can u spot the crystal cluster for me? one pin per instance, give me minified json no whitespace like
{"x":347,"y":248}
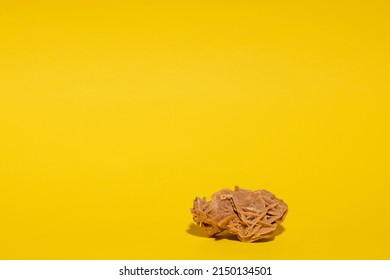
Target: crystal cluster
{"x":250,"y":215}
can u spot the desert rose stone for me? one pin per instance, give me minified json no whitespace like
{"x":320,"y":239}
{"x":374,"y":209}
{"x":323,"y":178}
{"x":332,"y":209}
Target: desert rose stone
{"x":250,"y":215}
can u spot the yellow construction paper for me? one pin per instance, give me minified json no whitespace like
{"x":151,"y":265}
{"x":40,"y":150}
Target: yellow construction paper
{"x":115,"y":115}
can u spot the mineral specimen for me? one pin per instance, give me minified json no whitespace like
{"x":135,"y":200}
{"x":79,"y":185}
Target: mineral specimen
{"x":250,"y":215}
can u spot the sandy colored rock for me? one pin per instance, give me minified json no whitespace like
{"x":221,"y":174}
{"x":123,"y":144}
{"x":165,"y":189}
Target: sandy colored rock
{"x":251,"y":215}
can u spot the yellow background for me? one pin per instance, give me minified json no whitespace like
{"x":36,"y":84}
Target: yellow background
{"x":114,"y":116}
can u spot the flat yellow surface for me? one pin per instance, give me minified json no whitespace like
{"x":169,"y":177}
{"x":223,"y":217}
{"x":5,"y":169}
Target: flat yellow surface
{"x":114,"y":116}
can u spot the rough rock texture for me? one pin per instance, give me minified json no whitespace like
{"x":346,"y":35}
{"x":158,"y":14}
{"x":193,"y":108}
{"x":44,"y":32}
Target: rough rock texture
{"x":251,"y":215}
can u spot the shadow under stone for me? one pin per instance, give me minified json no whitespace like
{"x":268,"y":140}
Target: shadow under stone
{"x":195,"y":230}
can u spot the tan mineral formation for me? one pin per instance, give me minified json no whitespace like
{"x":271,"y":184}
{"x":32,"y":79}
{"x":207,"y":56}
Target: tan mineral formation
{"x":250,"y":215}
